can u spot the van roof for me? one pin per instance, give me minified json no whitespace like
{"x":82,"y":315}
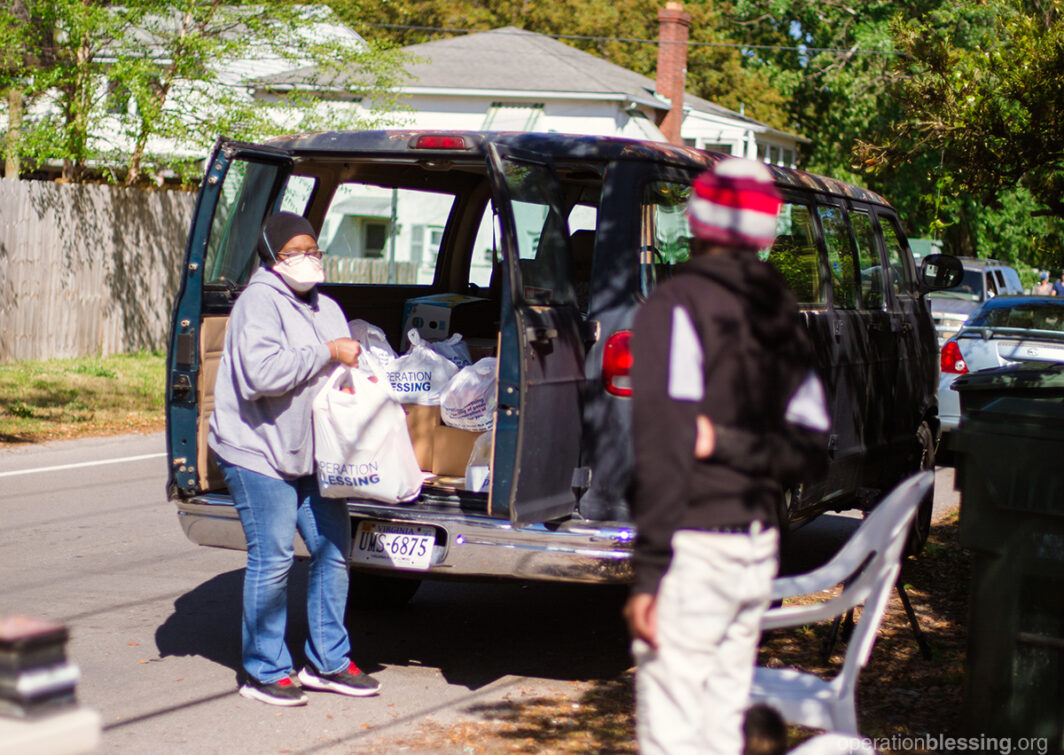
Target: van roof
{"x":557,"y":146}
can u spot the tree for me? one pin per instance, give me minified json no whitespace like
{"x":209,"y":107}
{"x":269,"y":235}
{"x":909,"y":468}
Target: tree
{"x":988,"y":104}
{"x":160,"y":72}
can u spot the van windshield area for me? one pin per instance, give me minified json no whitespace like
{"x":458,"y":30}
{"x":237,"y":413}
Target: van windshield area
{"x":969,"y":289}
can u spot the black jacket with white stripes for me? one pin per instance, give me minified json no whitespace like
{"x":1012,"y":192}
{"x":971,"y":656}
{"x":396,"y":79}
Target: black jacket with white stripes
{"x":723,"y":337}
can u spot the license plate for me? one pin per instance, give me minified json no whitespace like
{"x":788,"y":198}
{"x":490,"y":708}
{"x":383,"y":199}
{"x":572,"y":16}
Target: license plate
{"x":402,"y":546}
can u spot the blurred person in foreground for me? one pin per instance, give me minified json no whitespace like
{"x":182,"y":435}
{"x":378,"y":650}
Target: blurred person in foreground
{"x":728,"y":413}
{"x":281,"y":344}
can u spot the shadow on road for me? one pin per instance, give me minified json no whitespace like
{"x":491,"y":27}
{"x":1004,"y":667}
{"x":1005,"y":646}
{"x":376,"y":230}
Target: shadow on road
{"x":474,"y":633}
{"x":206,"y":622}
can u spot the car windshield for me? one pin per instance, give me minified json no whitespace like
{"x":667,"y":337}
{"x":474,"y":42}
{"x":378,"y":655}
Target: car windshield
{"x":970,"y":288}
{"x":1042,"y":316}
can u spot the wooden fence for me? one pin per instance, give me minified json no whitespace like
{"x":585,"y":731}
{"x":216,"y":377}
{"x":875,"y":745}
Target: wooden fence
{"x":93,"y":270}
{"x":87,"y":270}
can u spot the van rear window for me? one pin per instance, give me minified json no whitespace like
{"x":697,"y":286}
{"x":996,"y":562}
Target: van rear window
{"x":383,"y":235}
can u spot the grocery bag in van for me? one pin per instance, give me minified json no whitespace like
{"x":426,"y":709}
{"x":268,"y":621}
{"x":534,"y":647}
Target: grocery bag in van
{"x":361,"y":445}
{"x":373,"y":340}
{"x":468,"y":401}
{"x":455,"y":349}
{"x":420,"y":375}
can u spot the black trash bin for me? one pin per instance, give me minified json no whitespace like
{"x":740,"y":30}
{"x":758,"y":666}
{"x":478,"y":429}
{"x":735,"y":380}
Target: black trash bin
{"x":1010,"y":471}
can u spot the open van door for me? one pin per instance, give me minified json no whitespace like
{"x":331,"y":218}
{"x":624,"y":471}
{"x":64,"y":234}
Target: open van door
{"x":243,"y":183}
{"x":541,"y":354}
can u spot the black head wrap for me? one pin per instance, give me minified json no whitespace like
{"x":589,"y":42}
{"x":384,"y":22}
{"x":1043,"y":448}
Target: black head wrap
{"x":278,"y":230}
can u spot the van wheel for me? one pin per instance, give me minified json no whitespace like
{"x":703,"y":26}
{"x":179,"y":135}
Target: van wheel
{"x":921,"y":529}
{"x":367,"y":590}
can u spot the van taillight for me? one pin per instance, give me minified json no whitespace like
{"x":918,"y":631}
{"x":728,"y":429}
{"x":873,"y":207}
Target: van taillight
{"x":952,"y":359}
{"x":440,"y":141}
{"x":617,"y":364}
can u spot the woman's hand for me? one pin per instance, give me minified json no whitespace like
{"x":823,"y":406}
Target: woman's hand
{"x":345,"y":351}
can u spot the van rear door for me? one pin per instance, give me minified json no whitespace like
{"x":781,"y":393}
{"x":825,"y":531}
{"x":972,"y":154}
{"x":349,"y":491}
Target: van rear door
{"x":541,"y":353}
{"x":243,"y":182}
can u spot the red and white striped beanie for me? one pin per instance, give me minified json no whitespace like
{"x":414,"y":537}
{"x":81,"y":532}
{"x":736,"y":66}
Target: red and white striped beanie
{"x":735,"y":204}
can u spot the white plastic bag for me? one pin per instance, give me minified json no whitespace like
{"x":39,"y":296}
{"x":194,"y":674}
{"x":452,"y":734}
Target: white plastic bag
{"x":468,"y":402}
{"x":361,"y":444}
{"x":455,"y":349}
{"x":478,"y":470}
{"x":373,"y":340}
{"x":420,"y":375}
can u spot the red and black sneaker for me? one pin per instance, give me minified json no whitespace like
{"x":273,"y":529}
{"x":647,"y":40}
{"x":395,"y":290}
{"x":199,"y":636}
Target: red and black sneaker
{"x":351,"y":681}
{"x":284,"y":692}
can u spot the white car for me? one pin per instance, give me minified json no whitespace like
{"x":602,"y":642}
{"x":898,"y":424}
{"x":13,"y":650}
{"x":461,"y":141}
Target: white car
{"x":1003,"y":331}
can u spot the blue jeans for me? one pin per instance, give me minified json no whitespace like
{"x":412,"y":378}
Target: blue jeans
{"x":271,"y":510}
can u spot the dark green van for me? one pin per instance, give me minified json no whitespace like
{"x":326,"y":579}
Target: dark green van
{"x":538,"y":248}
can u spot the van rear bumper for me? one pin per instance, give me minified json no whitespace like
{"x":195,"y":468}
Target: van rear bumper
{"x":468,"y":545}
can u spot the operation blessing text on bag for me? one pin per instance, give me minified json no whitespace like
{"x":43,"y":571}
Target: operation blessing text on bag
{"x":361,"y":443}
{"x":421,"y":374}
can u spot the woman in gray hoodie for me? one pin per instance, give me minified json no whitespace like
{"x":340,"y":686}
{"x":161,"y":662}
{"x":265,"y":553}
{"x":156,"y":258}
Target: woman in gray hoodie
{"x":282,"y":340}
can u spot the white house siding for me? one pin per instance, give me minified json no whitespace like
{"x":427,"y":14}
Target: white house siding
{"x":560,"y":115}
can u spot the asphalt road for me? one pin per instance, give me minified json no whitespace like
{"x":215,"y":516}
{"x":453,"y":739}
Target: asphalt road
{"x":89,"y":539}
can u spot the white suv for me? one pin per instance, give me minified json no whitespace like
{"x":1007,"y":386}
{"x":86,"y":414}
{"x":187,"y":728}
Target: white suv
{"x":983,"y":279}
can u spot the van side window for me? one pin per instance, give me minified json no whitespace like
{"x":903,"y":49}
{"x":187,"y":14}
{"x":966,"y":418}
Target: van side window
{"x":794,"y":253}
{"x":840,"y":257}
{"x":868,"y":258}
{"x":297,"y":194}
{"x":664,"y":238}
{"x":896,"y":257}
{"x":383,"y":235}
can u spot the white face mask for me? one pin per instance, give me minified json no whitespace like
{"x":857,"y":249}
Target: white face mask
{"x":301,"y":273}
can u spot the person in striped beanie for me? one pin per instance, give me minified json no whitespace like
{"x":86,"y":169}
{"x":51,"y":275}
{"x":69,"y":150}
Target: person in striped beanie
{"x":727,"y":414}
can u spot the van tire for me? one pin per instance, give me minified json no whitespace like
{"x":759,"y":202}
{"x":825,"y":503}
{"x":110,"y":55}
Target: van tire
{"x":921,"y":528}
{"x":366,"y":590}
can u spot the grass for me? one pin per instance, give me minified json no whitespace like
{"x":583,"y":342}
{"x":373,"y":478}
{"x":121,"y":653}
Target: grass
{"x":74,"y":398}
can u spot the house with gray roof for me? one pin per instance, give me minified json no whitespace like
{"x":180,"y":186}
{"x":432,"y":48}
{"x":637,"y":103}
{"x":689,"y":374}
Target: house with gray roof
{"x":510,"y":79}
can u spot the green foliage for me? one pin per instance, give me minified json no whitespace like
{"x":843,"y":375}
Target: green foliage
{"x":981,"y":101}
{"x":151,"y":71}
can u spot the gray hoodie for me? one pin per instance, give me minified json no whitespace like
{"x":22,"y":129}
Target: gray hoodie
{"x":274,"y":363}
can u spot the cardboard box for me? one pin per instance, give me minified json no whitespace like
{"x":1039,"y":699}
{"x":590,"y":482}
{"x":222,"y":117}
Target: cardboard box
{"x":433,"y":316}
{"x":451,"y":451}
{"x":422,"y":422}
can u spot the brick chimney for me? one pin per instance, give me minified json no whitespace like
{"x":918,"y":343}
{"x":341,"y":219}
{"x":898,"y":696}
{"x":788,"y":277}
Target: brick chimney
{"x":673,"y":23}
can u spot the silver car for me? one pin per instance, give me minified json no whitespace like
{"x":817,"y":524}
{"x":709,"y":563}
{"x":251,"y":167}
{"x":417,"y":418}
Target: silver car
{"x":1002,"y":331}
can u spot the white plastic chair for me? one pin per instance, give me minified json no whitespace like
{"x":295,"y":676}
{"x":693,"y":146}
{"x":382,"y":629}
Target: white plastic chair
{"x":867,"y":566}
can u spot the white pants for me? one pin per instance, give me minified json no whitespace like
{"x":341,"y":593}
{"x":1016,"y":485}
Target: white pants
{"x":692,"y":691}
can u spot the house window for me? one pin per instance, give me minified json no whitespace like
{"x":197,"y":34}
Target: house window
{"x":721,"y":147}
{"x":788,"y":158}
{"x":376,"y":235}
{"x":513,"y":116}
{"x":774,"y":155}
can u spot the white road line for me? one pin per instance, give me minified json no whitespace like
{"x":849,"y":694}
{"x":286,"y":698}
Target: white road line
{"x":81,"y":464}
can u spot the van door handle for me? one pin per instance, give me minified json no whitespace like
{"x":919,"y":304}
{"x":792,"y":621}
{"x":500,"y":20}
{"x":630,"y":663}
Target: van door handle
{"x":541,"y":335}
{"x":181,"y":388}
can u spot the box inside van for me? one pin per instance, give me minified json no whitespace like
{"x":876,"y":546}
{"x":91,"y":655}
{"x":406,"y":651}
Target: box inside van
{"x":537,"y":249}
